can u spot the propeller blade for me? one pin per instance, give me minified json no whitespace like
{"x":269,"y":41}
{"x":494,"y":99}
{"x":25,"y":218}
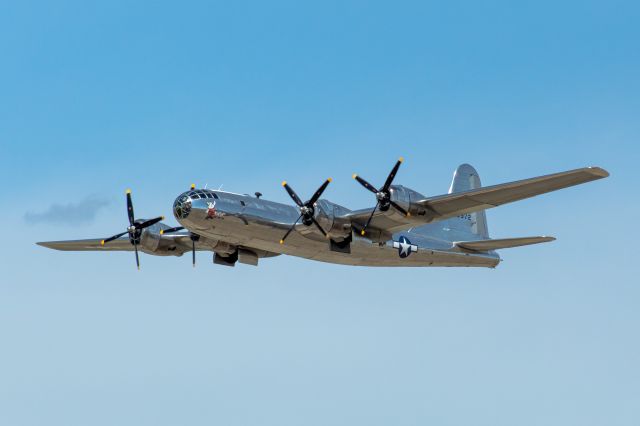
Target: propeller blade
{"x":318,"y":226}
{"x":170,"y":230}
{"x":149,"y":222}
{"x":319,"y":192}
{"x":130,"y":208}
{"x":115,"y":237}
{"x":366,"y":225}
{"x":135,"y":246}
{"x":193,"y":252}
{"x":290,"y":229}
{"x":365,"y":184}
{"x":293,"y":194}
{"x":391,"y":176}
{"x":400,"y":209}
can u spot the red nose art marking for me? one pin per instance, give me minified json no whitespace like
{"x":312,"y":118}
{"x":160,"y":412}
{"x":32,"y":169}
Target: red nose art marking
{"x":211,"y":210}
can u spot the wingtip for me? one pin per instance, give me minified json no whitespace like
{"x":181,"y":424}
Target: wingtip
{"x":48,"y":244}
{"x":599,"y":171}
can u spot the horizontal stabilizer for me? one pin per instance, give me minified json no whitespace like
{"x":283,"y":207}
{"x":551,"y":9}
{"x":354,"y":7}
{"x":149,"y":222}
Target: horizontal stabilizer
{"x":486,"y":245}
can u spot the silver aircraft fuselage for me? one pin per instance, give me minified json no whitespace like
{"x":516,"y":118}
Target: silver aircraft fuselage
{"x":245,"y":221}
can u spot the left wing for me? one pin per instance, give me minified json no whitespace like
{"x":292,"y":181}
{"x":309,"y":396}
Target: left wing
{"x":169,"y":244}
{"x":121,"y":244}
{"x":427,"y":210}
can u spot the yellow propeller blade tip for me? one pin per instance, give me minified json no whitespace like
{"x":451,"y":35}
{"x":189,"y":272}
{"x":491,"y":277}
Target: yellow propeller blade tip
{"x":355,"y":175}
{"x":401,"y":159}
{"x":362,"y":232}
{"x":330,"y":179}
{"x":161,"y":231}
{"x":193,"y":186}
{"x":281,"y":241}
{"x":102,"y":242}
{"x":128,"y":191}
{"x":284,"y":183}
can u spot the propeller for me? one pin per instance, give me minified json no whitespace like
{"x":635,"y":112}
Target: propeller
{"x":194,"y":238}
{"x":134,"y":229}
{"x":307,"y":209}
{"x":383,"y":195}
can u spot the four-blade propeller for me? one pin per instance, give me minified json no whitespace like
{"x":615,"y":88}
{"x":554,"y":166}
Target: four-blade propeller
{"x":134,"y":229}
{"x":307,"y":210}
{"x":383,"y":195}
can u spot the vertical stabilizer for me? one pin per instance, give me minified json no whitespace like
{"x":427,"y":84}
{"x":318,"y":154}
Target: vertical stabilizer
{"x":465,"y":178}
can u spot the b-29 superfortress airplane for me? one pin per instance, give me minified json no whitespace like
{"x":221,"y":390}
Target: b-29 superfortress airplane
{"x":404,"y":228}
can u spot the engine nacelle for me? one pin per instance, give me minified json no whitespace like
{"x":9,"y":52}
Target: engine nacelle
{"x":328,"y":216}
{"x":406,"y":198}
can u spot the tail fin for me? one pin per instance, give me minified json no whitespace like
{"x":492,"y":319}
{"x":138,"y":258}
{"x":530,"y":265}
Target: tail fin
{"x":465,"y":178}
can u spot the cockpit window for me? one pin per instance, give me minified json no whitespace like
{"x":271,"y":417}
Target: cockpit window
{"x":182,"y":206}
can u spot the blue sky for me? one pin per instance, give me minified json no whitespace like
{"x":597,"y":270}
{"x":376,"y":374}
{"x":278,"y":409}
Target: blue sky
{"x":153,"y":96}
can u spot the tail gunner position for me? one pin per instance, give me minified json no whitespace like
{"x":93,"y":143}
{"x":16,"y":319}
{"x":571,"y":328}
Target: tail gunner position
{"x":404,"y":228}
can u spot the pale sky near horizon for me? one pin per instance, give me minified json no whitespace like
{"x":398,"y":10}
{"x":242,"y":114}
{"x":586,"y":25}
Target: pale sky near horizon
{"x":153,"y":96}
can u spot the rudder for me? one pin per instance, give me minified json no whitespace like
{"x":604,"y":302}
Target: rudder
{"x":466,"y":178}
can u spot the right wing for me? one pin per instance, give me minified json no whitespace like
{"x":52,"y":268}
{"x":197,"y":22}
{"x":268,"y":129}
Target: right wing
{"x":459,"y":203}
{"x":442,"y":207}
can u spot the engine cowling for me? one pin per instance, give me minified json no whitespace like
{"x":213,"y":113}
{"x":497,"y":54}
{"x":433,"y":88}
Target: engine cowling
{"x":330,"y":216}
{"x":406,"y":198}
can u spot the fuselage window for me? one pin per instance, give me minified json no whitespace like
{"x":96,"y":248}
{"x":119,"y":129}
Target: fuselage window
{"x":215,"y":196}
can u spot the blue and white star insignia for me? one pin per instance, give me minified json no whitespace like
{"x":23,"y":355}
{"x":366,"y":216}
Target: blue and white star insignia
{"x":404,"y":246}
